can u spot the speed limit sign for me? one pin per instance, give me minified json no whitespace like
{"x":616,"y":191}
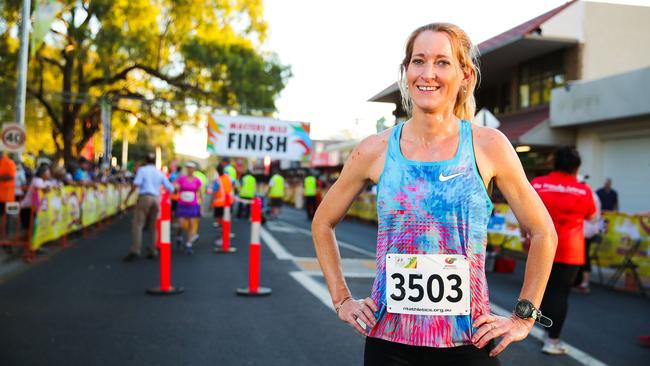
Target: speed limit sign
{"x":12,"y":136}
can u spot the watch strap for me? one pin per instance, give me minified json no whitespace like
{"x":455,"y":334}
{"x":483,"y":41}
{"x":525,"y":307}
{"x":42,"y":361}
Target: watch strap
{"x":543,"y":320}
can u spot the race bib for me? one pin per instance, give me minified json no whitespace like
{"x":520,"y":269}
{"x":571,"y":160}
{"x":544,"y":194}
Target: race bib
{"x":427,"y":284}
{"x":187,"y":197}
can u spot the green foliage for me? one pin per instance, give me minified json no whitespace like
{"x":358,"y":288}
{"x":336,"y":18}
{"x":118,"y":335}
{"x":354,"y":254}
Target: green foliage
{"x":164,"y":62}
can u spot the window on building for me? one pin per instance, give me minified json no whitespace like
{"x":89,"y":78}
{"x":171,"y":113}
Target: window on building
{"x":538,"y":77}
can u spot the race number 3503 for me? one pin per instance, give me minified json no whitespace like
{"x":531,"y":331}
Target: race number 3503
{"x":427,"y":284}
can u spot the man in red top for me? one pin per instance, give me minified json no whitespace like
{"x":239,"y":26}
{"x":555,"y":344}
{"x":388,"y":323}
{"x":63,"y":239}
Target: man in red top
{"x":569,"y":203}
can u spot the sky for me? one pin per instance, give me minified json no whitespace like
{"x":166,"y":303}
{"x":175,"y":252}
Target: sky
{"x":343,"y":52}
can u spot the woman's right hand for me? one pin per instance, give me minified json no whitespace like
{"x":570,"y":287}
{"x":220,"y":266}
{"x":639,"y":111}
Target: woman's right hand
{"x":363,"y":310}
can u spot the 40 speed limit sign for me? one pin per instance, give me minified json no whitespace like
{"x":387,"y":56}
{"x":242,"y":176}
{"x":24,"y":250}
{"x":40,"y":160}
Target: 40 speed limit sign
{"x":12,"y":137}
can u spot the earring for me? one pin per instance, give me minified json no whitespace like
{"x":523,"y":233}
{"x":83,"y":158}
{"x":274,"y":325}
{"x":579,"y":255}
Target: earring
{"x":464,"y":90}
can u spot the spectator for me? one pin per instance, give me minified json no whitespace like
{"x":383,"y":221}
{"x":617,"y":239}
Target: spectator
{"x":61,"y":177}
{"x":42,"y":159}
{"x":569,"y":203}
{"x":20,"y":181}
{"x":608,"y":197}
{"x":82,"y":172}
{"x":7,"y":186}
{"x":149,"y":180}
{"x":42,"y":180}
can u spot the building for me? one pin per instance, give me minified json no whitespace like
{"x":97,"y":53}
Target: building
{"x":577,"y":75}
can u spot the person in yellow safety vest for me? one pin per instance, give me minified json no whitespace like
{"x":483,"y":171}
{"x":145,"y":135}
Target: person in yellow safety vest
{"x":276,"y":193}
{"x":246,"y":192}
{"x":231,"y":171}
{"x":222,"y":194}
{"x":309,"y":191}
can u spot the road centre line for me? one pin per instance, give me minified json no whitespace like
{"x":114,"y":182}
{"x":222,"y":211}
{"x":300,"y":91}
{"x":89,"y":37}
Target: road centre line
{"x":319,"y":290}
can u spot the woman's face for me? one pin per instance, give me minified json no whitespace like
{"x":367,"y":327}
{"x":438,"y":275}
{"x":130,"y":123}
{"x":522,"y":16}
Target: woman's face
{"x":190,"y":171}
{"x":46,"y":174}
{"x":434,"y":75}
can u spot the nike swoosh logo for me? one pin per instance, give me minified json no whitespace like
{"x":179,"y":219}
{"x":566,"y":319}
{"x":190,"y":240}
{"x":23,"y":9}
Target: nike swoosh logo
{"x":444,"y":178}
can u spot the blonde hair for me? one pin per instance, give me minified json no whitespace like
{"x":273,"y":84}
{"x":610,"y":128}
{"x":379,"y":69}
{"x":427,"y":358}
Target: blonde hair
{"x":467,"y":55}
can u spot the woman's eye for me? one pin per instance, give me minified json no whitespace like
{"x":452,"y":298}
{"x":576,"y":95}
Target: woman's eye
{"x":443,"y":63}
{"x":417,"y":61}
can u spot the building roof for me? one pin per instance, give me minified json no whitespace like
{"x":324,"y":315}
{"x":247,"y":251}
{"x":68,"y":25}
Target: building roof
{"x":520,"y":31}
{"x":517,"y":124}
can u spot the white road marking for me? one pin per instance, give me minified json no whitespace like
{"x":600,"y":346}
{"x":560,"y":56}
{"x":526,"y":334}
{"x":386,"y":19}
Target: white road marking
{"x":285,"y":227}
{"x":319,"y":290}
{"x":277,"y":248}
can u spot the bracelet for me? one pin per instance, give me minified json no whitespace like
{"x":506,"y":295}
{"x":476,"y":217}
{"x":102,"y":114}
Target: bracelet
{"x":341,"y":304}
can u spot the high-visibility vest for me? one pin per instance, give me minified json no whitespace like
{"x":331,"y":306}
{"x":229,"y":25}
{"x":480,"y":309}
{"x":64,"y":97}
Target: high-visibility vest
{"x":277,"y":189}
{"x":248,"y":184}
{"x":231,"y":171}
{"x":310,"y":186}
{"x":223,"y":195}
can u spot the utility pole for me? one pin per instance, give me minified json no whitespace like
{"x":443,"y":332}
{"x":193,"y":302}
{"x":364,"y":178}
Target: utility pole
{"x":21,"y":85}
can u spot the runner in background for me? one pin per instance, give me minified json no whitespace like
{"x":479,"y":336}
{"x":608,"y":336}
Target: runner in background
{"x":176,"y":172}
{"x":276,"y":193}
{"x":433,"y":210}
{"x":188,"y":210}
{"x":221,"y":193}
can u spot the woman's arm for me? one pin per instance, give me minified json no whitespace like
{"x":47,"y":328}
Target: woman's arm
{"x":497,"y":158}
{"x":363,"y":164}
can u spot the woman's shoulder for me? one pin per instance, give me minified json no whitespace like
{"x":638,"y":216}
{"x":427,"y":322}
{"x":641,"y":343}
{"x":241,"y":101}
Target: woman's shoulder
{"x":490,"y":140}
{"x":376,"y":144}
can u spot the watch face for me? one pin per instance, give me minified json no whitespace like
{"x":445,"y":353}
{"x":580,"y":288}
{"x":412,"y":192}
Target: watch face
{"x":524,"y":309}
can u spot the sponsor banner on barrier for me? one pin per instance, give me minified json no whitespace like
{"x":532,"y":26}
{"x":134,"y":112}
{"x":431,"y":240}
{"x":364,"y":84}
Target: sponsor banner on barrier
{"x":71,"y":209}
{"x":61,"y":211}
{"x":46,"y":220}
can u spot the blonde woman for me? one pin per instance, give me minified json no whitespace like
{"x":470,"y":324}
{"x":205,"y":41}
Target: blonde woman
{"x":429,"y":302}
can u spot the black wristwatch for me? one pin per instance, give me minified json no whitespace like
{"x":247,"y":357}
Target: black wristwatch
{"x":525,"y":310}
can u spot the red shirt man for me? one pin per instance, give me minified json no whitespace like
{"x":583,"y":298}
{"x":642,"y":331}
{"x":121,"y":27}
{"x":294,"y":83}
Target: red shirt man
{"x":568,"y":202}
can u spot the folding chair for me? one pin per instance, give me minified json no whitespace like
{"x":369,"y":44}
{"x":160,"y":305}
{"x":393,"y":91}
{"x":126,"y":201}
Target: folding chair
{"x":594,"y":254}
{"x":628,"y":264}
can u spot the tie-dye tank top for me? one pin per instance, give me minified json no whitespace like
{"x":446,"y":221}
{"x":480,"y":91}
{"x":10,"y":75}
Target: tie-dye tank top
{"x":432,"y":208}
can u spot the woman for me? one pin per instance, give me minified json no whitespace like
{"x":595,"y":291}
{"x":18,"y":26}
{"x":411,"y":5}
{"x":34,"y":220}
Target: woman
{"x":569,"y":203}
{"x":188,"y":210}
{"x":432,"y":173}
{"x":41,"y":181}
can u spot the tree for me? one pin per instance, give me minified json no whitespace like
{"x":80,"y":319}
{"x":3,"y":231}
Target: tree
{"x":162,"y":61}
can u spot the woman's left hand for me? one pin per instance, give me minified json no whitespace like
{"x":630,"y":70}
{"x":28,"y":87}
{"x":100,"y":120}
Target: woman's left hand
{"x":510,"y":330}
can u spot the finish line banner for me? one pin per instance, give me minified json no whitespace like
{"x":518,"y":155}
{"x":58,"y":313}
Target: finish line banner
{"x":257,"y":137}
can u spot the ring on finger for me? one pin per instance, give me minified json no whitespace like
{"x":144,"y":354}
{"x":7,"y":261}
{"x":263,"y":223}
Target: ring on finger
{"x":493,"y":326}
